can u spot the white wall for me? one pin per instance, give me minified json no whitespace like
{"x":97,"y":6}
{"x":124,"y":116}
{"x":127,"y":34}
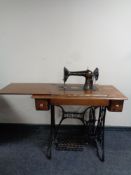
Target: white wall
{"x":39,"y":36}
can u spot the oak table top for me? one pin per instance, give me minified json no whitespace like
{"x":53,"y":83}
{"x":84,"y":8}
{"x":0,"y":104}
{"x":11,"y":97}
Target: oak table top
{"x":58,"y":90}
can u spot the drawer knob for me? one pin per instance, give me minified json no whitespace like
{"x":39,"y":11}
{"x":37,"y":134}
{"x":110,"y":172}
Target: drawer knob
{"x":117,"y":106}
{"x":41,"y":105}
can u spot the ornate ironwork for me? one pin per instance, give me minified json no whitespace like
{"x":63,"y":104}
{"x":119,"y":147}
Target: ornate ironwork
{"x":93,"y":128}
{"x":99,"y":133}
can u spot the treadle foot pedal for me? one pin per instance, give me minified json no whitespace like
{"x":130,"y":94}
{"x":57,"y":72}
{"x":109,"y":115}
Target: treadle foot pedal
{"x":69,"y":143}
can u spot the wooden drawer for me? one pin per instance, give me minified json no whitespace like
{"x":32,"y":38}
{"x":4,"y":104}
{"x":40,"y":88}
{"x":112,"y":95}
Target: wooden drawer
{"x":42,"y":104}
{"x":115,"y":105}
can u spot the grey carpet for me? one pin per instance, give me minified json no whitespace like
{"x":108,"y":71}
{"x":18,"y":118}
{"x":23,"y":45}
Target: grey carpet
{"x":22,"y":152}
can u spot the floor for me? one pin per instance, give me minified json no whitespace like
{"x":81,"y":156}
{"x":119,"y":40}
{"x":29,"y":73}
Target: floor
{"x":22,"y":152}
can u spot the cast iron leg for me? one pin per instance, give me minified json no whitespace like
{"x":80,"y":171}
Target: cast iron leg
{"x":52,"y":132}
{"x":100,"y":133}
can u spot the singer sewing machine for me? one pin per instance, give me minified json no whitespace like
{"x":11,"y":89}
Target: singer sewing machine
{"x":89,"y":77}
{"x":49,"y":95}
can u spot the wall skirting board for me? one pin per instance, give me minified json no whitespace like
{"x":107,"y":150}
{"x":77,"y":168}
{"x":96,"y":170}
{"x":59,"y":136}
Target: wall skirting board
{"x":64,"y":127}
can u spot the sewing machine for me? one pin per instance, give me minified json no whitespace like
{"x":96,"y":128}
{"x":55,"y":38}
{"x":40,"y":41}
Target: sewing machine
{"x":90,"y":76}
{"x":49,"y":95}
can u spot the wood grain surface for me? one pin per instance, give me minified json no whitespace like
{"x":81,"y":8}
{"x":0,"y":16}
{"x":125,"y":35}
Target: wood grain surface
{"x":39,"y":90}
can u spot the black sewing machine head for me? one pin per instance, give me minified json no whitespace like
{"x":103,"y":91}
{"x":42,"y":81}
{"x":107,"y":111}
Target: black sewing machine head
{"x":89,"y":77}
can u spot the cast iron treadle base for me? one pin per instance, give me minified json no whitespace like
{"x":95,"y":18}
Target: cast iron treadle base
{"x":93,"y":127}
{"x":68,"y":142}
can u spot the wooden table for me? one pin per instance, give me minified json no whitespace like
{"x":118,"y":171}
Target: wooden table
{"x":47,"y":96}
